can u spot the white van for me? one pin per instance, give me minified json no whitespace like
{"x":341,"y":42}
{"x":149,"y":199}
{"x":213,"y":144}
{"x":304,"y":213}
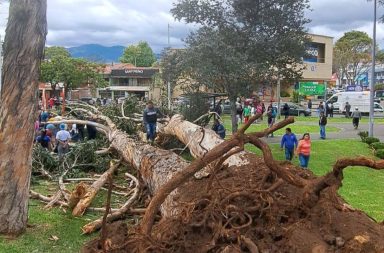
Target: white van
{"x":359,"y":99}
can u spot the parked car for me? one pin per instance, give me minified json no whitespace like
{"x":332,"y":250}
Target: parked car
{"x":294,"y":109}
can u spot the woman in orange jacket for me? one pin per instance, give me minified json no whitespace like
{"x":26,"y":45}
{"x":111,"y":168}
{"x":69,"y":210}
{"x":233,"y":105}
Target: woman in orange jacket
{"x":304,"y":150}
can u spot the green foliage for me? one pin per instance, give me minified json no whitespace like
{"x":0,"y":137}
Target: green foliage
{"x":284,"y":94}
{"x":42,"y":158}
{"x":53,"y":52}
{"x":86,"y":158}
{"x":379,"y":86}
{"x":377,"y":145}
{"x":72,"y":72}
{"x":370,"y":140}
{"x":196,"y":106}
{"x":380,"y":153}
{"x":239,"y":42}
{"x":363,"y":135}
{"x":140,"y":55}
{"x":295,"y":97}
{"x":82,"y":154}
{"x":131,"y":106}
{"x":352,"y":54}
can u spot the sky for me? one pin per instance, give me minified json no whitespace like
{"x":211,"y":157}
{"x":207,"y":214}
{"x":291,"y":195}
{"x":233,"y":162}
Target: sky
{"x":126,"y":22}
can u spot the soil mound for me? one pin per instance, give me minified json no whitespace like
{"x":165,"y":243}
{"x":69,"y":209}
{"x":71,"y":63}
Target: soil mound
{"x":249,"y":209}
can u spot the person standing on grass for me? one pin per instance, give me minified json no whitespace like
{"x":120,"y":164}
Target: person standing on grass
{"x":303,"y":150}
{"x":271,"y":114}
{"x":289,"y":142}
{"x":247,"y":113}
{"x":356,"y":117}
{"x":285,"y":111}
{"x":322,"y":124}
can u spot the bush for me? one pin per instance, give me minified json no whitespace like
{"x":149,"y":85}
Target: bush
{"x":370,"y":140}
{"x":377,"y":145}
{"x":363,"y":135}
{"x":284,"y":94}
{"x":380,"y":153}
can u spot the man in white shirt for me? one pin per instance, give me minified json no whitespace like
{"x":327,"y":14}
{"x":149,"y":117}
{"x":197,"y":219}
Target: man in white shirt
{"x":62,"y":137}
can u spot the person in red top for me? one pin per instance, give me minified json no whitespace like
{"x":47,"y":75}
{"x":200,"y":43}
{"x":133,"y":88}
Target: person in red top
{"x":304,"y":150}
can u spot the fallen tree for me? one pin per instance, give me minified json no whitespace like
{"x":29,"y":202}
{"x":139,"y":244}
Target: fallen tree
{"x":264,"y":205}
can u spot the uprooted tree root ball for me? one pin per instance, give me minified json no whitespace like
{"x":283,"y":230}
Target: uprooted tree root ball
{"x":227,"y":199}
{"x":236,"y":210}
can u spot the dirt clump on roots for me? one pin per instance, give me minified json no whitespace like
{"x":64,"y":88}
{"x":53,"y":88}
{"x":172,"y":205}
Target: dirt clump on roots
{"x":249,"y":209}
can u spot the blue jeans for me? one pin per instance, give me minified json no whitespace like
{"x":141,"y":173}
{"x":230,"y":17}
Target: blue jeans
{"x":289,"y":154}
{"x":322,"y":131}
{"x":151,"y":131}
{"x":304,"y":159}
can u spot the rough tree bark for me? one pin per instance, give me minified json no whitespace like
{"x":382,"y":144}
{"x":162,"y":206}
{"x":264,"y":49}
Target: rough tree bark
{"x":23,"y":50}
{"x":200,"y":140}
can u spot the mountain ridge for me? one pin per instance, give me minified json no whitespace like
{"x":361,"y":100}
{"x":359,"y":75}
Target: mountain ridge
{"x":99,"y":53}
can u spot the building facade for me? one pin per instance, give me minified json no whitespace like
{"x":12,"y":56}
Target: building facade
{"x":126,"y":79}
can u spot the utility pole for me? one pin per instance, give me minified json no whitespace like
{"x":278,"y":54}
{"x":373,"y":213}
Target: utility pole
{"x":372,"y":84}
{"x":168,"y":81}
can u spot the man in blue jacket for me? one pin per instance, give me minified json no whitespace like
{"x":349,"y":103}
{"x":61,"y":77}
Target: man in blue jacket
{"x":289,"y":141}
{"x":219,"y":129}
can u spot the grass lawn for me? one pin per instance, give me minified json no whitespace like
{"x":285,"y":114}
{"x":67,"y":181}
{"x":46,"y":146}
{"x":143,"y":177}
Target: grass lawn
{"x":362,"y":187}
{"x":43,"y":224}
{"x":298,"y":127}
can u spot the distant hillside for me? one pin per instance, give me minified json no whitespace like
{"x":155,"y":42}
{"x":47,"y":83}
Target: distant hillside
{"x":97,"y":53}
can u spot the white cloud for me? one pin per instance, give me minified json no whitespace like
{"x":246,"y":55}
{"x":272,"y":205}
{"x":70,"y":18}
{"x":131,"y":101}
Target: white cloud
{"x":124,"y":22}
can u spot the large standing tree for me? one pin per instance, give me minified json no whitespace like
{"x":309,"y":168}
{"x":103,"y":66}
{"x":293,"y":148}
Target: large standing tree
{"x":23,"y":50}
{"x":352,"y":55}
{"x":141,"y":55}
{"x":241,"y":41}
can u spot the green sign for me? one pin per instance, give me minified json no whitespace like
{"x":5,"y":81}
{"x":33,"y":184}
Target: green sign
{"x":311,"y":88}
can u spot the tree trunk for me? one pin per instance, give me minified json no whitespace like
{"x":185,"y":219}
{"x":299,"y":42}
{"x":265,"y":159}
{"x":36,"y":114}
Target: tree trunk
{"x":23,"y":50}
{"x":156,"y":166}
{"x":233,"y":114}
{"x":200,"y":140}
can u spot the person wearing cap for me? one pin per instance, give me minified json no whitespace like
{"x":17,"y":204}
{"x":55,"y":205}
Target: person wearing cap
{"x":62,"y":137}
{"x":356,"y":117}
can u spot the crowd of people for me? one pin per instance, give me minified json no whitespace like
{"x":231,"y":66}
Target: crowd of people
{"x":56,"y":138}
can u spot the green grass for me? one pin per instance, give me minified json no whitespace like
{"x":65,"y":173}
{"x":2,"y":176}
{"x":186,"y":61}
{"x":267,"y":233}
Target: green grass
{"x":362,"y":187}
{"x":364,"y":119}
{"x":45,"y":224}
{"x":55,"y":222}
{"x":297,"y":127}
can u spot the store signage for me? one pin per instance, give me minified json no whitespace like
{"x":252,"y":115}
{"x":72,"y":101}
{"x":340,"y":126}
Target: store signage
{"x":311,"y":88}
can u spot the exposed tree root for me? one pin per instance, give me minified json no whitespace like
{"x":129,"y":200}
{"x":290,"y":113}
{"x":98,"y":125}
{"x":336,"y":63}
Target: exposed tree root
{"x":95,"y":225}
{"x":86,"y":198}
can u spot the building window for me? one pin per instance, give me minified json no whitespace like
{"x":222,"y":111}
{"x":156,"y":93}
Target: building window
{"x":315,"y":52}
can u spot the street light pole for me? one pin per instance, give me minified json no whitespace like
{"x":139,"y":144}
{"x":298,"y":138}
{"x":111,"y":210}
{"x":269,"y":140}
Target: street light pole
{"x":168,"y":81}
{"x":372,"y":84}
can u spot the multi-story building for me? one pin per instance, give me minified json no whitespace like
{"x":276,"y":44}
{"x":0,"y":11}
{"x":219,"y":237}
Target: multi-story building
{"x":318,"y":65}
{"x":126,"y":79}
